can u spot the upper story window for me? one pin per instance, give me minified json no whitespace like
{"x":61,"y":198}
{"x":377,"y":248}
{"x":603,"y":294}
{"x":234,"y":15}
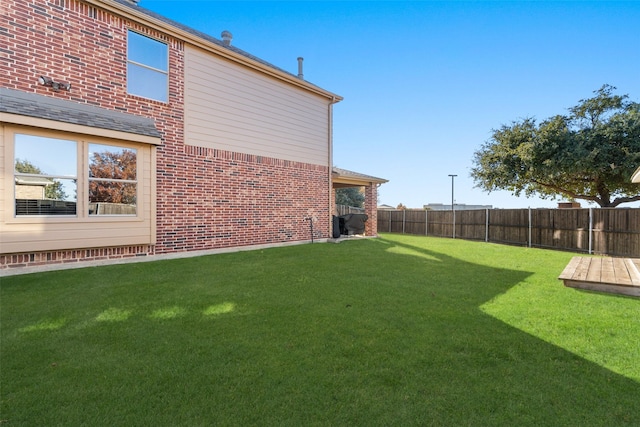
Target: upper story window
{"x":147,"y":67}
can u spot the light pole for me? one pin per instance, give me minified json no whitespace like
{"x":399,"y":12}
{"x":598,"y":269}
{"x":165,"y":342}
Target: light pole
{"x":453,"y":210}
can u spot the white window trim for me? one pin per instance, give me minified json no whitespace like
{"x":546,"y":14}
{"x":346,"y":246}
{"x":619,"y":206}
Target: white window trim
{"x":82,"y":203}
{"x":139,"y":64}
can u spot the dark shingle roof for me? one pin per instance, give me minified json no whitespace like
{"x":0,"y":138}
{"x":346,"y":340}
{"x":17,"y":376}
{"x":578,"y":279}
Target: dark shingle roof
{"x":46,"y":107}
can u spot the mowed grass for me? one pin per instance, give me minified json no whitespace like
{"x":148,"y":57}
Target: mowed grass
{"x":395,"y":331}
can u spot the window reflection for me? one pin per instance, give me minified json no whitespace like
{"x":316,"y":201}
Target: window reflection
{"x":112,"y":180}
{"x":45,"y":176}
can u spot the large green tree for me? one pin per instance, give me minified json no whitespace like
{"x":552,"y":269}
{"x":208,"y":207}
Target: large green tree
{"x":589,"y":154}
{"x":350,"y":196}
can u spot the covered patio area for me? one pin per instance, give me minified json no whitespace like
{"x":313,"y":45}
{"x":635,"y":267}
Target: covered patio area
{"x":342,"y":178}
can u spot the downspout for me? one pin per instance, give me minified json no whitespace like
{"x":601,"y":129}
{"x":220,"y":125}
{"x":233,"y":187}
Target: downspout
{"x":330,"y":162}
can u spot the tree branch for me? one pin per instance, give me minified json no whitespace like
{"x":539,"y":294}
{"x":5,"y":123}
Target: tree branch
{"x":621,"y":200}
{"x":568,"y":193}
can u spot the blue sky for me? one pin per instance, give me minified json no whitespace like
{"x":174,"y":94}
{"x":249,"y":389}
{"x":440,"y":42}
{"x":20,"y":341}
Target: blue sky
{"x":425,"y":82}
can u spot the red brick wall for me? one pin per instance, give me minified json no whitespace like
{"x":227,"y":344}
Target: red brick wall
{"x":215,"y":198}
{"x":371,"y":209}
{"x":205,"y":198}
{"x":73,"y":256}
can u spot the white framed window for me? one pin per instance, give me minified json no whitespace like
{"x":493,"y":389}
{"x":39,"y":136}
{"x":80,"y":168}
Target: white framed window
{"x":53,"y":178}
{"x":68,"y":190}
{"x":147,"y":67}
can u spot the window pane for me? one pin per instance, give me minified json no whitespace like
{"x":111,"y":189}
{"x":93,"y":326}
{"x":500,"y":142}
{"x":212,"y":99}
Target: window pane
{"x":112,"y":198}
{"x":58,"y":197}
{"x":48,"y":156}
{"x":147,"y":51}
{"x":146,"y":83}
{"x":147,"y":68}
{"x":111,"y":170}
{"x":111,"y":162}
{"x":45,"y":171}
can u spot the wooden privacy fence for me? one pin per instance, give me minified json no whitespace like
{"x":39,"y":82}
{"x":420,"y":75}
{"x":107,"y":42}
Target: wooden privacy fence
{"x":604,"y":231}
{"x":344,"y":210}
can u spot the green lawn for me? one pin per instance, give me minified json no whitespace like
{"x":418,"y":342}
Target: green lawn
{"x":395,"y":331}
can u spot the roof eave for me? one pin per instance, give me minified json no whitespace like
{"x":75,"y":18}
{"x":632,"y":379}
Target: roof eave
{"x":357,"y":181}
{"x":156,"y":24}
{"x":349,"y":178}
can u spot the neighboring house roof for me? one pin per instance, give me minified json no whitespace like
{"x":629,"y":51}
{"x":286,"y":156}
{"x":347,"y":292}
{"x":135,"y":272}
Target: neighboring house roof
{"x":46,"y":107}
{"x":636,"y":176}
{"x":347,"y":178}
{"x":33,"y":180}
{"x":184,"y":32}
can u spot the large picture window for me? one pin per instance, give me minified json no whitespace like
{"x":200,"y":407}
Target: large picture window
{"x":65,"y":190}
{"x":147,"y":67}
{"x":50,"y":181}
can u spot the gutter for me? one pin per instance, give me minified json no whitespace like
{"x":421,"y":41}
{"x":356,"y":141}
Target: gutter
{"x":330,"y":162}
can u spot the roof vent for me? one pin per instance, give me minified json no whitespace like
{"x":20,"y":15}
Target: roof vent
{"x":226,"y":38}
{"x":300,"y":75}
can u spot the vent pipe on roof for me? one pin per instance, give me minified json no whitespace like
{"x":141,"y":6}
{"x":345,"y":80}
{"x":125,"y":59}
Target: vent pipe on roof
{"x":226,"y":38}
{"x":300,"y":75}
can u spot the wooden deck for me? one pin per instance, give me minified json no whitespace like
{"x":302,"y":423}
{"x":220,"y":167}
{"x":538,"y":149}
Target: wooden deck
{"x":614,"y":275}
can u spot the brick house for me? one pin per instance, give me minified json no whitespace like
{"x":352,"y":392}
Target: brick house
{"x":161,"y":139}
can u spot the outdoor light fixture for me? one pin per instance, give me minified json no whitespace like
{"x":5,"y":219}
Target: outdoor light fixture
{"x":48,"y":81}
{"x":45,"y":81}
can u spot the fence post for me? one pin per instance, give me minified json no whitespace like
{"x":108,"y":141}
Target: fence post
{"x":390,"y":215}
{"x":453,"y":210}
{"x":486,"y":227}
{"x":426,"y":222}
{"x":590,"y":230}
{"x":404,"y":217}
{"x":529,"y":226}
